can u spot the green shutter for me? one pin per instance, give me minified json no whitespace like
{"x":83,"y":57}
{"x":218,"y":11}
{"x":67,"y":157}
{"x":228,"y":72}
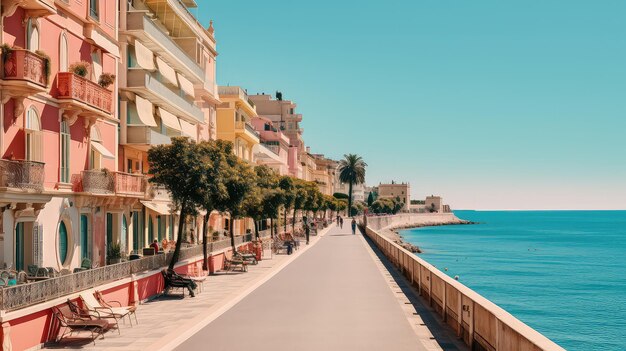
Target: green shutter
{"x":19,"y":247}
{"x":150,"y":230}
{"x":109,"y":229}
{"x":84,"y":236}
{"x":62,"y":242}
{"x":160,"y":228}
{"x":136,"y":231}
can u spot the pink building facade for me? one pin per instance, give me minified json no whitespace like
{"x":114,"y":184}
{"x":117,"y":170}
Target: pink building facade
{"x":59,"y":133}
{"x":274,"y":149}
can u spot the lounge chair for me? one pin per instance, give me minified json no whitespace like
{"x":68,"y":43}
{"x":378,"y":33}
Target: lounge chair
{"x":92,"y":304}
{"x":70,"y":322}
{"x":132,"y":310}
{"x":87,"y":313}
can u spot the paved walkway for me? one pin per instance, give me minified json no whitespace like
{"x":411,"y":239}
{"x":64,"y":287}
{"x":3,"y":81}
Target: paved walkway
{"x":333,"y":297}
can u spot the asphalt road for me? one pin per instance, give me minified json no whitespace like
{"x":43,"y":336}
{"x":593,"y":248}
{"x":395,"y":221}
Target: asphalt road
{"x":332,"y":297}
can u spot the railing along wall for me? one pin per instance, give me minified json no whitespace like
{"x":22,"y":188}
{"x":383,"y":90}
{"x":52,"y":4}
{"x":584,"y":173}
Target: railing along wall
{"x":480,"y":323}
{"x":20,"y":296}
{"x":26,"y":175}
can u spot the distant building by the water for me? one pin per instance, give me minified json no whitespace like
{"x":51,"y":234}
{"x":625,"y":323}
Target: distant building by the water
{"x":396,"y":190}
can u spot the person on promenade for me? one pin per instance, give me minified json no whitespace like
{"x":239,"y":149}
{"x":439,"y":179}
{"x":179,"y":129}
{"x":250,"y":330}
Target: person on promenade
{"x":353,"y":226}
{"x":337,"y":220}
{"x":155,"y":246}
{"x":341,"y":222}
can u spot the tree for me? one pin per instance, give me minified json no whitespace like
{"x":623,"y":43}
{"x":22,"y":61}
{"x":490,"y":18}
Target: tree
{"x":352,"y":171}
{"x":299,"y":191}
{"x":370,"y":199}
{"x":178,"y":168}
{"x":239,"y":181}
{"x":214,"y":155}
{"x":254,"y":204}
{"x":287,"y":186}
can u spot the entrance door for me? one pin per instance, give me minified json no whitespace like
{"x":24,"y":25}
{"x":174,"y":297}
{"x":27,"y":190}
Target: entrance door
{"x":84,"y":236}
{"x":109,"y":229}
{"x":19,"y":247}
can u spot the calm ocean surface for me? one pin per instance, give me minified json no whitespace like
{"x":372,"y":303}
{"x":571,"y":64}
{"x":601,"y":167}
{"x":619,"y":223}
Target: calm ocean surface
{"x":561,"y":272}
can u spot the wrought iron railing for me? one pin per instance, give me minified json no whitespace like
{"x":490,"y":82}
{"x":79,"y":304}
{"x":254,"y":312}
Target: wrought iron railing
{"x":72,"y":86}
{"x":26,"y":175}
{"x":24,"y":295}
{"x":107,"y":182}
{"x":20,"y":64}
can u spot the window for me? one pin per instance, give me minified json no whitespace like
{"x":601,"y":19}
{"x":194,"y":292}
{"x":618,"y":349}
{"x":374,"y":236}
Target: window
{"x":65,"y":152}
{"x":32,"y":131}
{"x":160,"y":228}
{"x":171,"y":233}
{"x":32,"y":34}
{"x":132,"y":57}
{"x":124,"y":234}
{"x":96,"y":59}
{"x":19,"y":246}
{"x":62,"y":242}
{"x":137,"y":230}
{"x":93,"y":9}
{"x":63,"y":53}
{"x":84,"y":236}
{"x":109,"y":229}
{"x":150,"y":230}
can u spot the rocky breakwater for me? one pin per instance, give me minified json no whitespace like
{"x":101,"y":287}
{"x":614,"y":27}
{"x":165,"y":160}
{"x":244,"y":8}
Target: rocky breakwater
{"x":390,"y":227}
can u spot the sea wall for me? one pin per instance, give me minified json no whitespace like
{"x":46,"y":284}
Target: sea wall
{"x":480,"y":323}
{"x":412,"y":220}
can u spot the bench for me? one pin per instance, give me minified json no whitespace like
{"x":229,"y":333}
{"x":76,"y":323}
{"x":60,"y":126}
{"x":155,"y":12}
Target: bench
{"x":231,"y":264}
{"x":173,"y":280}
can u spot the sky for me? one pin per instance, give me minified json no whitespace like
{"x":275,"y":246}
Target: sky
{"x":491,"y":104}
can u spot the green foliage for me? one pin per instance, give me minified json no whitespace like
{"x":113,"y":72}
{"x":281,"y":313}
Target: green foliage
{"x":352,"y":171}
{"x":387,"y":206}
{"x":114,"y":251}
{"x":340,"y":196}
{"x":180,"y":169}
{"x":80,"y":68}
{"x":370,"y":199}
{"x":7,"y":51}
{"x":106,"y":79}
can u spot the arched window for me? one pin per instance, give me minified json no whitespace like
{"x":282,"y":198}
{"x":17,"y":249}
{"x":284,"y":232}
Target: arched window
{"x":65,"y":152}
{"x":63,"y":242}
{"x":63,"y":53}
{"x":33,"y":136}
{"x":32,"y":34}
{"x":98,"y":151}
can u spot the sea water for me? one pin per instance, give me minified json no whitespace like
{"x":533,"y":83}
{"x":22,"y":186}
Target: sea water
{"x":561,"y":272}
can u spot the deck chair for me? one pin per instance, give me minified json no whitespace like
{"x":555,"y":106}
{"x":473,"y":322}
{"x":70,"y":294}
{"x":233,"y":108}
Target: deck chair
{"x":92,"y":305}
{"x":132,"y":310}
{"x":70,"y":322}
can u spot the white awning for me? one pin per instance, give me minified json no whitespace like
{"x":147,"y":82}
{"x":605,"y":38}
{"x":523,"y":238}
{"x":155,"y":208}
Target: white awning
{"x":145,"y":57}
{"x":101,"y":40}
{"x":186,"y":85}
{"x":188,"y":129}
{"x":145,"y":111}
{"x":101,"y":149}
{"x":169,"y":119}
{"x":158,"y":207}
{"x":168,"y":72}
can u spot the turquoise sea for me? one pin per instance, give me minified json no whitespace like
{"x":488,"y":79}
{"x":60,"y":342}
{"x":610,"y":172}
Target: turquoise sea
{"x":561,"y":272}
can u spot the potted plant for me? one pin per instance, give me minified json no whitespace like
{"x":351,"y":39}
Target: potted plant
{"x":46,"y":63}
{"x":80,"y":68}
{"x":114,"y":253}
{"x":106,"y":79}
{"x":6,"y":50}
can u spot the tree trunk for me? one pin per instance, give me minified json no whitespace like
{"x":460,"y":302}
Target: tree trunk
{"x":205,"y":262}
{"x":350,"y":200}
{"x":272,"y":228}
{"x":285,"y":224}
{"x":256,"y":230}
{"x":232,"y":232}
{"x":179,"y":241}
{"x":293,"y":225}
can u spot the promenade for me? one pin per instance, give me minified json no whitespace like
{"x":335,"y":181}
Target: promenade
{"x":336,"y":296}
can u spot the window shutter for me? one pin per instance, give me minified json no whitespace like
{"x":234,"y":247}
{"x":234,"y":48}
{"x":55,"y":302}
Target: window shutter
{"x":38,"y":244}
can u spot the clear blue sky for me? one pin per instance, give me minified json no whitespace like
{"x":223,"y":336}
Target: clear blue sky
{"x":491,"y":104}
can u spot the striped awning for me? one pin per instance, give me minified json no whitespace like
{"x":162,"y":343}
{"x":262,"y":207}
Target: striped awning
{"x":186,"y":85}
{"x":145,"y":57}
{"x":169,"y":119}
{"x":167,"y":71}
{"x":188,"y":129}
{"x":145,"y":111}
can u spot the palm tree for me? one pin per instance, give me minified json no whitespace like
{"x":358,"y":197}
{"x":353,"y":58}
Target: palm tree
{"x":352,"y":171}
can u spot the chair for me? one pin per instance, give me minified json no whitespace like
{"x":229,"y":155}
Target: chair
{"x":32,"y":270}
{"x":52,"y":273}
{"x":22,"y":277}
{"x":119,"y":308}
{"x":71,"y":322}
{"x":42,"y":272}
{"x":92,"y":305}
{"x":173,"y":280}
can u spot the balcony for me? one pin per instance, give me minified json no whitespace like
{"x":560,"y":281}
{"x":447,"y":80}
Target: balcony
{"x":295,"y":117}
{"x":24,"y":74}
{"x":34,"y":8}
{"x":145,"y":83}
{"x":242,"y":97}
{"x":22,"y":175}
{"x":83,"y":96}
{"x":140,"y":26}
{"x":246,"y":131}
{"x":144,"y":137}
{"x":113,"y":183}
{"x":272,"y":147}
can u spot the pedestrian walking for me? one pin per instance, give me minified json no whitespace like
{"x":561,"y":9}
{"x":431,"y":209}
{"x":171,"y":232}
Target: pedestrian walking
{"x":337,"y":220}
{"x":353,"y":226}
{"x":341,"y":222}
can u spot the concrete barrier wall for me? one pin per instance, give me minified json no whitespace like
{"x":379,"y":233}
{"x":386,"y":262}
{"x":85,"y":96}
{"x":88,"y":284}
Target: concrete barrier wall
{"x":479,"y":322}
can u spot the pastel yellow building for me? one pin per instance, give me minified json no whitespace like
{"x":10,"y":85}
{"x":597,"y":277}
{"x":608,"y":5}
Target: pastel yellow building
{"x":234,"y":121}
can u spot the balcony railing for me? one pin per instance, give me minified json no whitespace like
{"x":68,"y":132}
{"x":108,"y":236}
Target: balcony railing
{"x":72,"y":86}
{"x":247,"y":127}
{"x":237,"y":91}
{"x":107,"y":182}
{"x":273,"y":148}
{"x":20,"y":64}
{"x":26,"y":175}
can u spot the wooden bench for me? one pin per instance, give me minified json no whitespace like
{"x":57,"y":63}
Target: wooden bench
{"x":173,"y":280}
{"x":232,"y":263}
